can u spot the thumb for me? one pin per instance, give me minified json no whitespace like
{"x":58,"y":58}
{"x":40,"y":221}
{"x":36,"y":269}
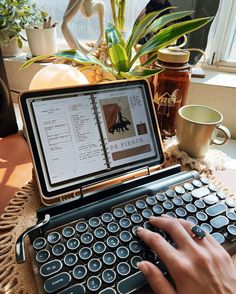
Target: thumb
{"x":155,"y":278}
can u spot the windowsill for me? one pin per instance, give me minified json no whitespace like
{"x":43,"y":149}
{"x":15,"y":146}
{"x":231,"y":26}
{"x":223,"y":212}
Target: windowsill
{"x":217,"y":89}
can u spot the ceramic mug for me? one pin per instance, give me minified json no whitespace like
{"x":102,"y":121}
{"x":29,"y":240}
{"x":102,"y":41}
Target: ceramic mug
{"x":197,"y":127}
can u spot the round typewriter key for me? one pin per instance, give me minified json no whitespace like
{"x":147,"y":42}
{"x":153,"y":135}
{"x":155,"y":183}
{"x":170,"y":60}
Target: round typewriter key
{"x":123,"y":268}
{"x":192,"y":219}
{"x":135,"y":260}
{"x":58,"y":249}
{"x":109,"y":258}
{"x":148,"y":226}
{"x":108,"y":276}
{"x":158,"y":209}
{"x":118,"y":212}
{"x":151,"y":200}
{"x":191,"y":208}
{"x":230,"y":202}
{"x":218,"y":237}
{"x":99,"y":247}
{"x":86,"y":238}
{"x":94,"y":222}
{"x":204,"y":180}
{"x":188,"y":186}
{"x":160,"y":197}
{"x":180,"y":212}
{"x":94,"y":283}
{"x":168,"y":205}
{"x":79,"y":272}
{"x":70,"y":259}
{"x":221,"y":194}
{"x":179,"y":190}
{"x":171,"y":214}
{"x":140,"y":204}
{"x":100,"y":233}
{"x":199,"y":204}
{"x":50,"y":268}
{"x":85,"y":253}
{"x":136,"y":218}
{"x":134,"y":229}
{"x":170,"y":193}
{"x":130,"y":208}
{"x":113,"y":227}
{"x":81,"y":227}
{"x":213,"y":187}
{"x":201,"y":216}
{"x":147,"y":213}
{"x":232,"y":232}
{"x":125,"y":223}
{"x":112,"y":241}
{"x":135,"y":247}
{"x":68,"y":232}
{"x":94,"y":265}
{"x":53,"y":237}
{"x":150,"y":256}
{"x":211,"y":199}
{"x":72,"y":244}
{"x":187,"y":197}
{"x":39,"y":243}
{"x":125,"y":236}
{"x":107,"y":217}
{"x":231,"y":215}
{"x":42,"y":256}
{"x":162,"y":233}
{"x":206,"y":227}
{"x":177,"y":201}
{"x":197,"y":183}
{"x":122,"y":252}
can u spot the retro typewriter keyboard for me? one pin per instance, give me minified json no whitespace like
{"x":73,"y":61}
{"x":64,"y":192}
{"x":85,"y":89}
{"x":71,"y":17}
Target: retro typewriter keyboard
{"x":100,"y":254}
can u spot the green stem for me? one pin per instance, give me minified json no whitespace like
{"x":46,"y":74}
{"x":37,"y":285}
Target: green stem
{"x":121,"y":15}
{"x":113,"y":9}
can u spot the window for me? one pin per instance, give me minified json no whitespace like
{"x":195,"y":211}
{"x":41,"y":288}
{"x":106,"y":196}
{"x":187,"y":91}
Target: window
{"x":219,"y":50}
{"x":222,"y":38}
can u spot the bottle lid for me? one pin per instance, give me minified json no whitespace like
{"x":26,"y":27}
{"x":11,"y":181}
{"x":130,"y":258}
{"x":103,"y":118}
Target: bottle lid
{"x":173,"y":55}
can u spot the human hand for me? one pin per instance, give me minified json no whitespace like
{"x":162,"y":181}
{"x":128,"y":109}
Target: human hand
{"x":196,"y":265}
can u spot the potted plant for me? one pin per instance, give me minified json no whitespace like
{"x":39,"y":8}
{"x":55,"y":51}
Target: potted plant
{"x":123,"y":62}
{"x":15,"y":15}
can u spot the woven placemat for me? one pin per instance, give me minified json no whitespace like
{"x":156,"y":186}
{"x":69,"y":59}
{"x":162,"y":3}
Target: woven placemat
{"x":17,"y":217}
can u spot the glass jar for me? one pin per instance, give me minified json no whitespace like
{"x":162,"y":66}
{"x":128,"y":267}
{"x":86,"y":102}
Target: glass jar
{"x":170,"y":87}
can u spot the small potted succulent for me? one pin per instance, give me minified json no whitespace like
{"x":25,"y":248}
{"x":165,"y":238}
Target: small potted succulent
{"x":15,"y":15}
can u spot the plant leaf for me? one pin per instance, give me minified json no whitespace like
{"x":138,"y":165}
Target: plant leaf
{"x":118,"y":57}
{"x":140,"y":72}
{"x":165,"y":19}
{"x":168,"y":35}
{"x":34,"y":59}
{"x":140,"y":28}
{"x":79,"y":57}
{"x":113,"y":36}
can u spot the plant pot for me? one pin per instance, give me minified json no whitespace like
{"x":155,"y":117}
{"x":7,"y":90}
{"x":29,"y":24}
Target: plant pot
{"x":42,"y":41}
{"x":11,"y":49}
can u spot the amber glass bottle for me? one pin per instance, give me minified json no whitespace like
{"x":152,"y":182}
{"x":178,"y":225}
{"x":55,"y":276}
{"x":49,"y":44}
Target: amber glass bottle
{"x":170,"y":87}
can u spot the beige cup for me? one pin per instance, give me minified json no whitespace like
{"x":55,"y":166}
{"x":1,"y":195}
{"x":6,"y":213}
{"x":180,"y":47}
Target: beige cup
{"x":197,"y":127}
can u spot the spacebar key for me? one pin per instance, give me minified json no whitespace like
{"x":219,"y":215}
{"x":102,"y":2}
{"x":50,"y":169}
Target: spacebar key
{"x":131,"y":283}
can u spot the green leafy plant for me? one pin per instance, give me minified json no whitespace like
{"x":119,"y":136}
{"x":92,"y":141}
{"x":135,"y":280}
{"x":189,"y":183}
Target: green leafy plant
{"x":124,"y":60}
{"x":15,"y":15}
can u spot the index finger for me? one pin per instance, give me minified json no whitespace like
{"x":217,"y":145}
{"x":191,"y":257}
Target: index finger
{"x":164,"y":250}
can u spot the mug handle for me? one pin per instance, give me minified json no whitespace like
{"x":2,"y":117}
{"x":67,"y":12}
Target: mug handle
{"x":225,"y":131}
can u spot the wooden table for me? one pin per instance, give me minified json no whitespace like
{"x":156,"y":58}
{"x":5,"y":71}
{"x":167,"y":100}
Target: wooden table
{"x":15,"y":167}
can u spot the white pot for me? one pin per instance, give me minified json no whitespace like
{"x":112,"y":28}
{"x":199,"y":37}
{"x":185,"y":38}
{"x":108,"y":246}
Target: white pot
{"x":11,"y":49}
{"x":42,"y":41}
